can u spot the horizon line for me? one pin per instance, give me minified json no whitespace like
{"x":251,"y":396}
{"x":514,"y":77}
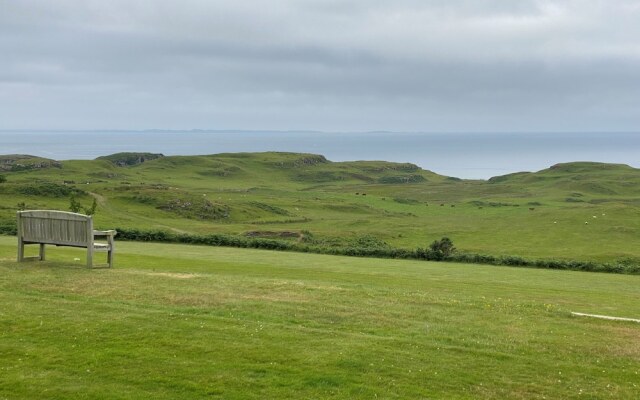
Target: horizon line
{"x":196,"y":130}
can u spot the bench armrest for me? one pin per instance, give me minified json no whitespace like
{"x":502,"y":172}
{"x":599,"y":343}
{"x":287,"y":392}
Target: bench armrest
{"x":109,"y":233}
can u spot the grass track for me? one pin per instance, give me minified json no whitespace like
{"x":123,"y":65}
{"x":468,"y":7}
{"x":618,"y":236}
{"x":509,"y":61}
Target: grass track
{"x":176,"y":321}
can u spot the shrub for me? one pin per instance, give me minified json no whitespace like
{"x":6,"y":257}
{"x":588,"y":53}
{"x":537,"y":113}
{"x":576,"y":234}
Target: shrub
{"x":8,"y":227}
{"x":439,"y":250}
{"x":442,"y":248}
{"x":3,"y":179}
{"x":414,"y":178}
{"x":91,"y":210}
{"x":306,"y":236}
{"x":405,"y":201}
{"x":369,"y":242}
{"x":47,"y":189}
{"x":74,"y":204}
{"x":196,"y":208}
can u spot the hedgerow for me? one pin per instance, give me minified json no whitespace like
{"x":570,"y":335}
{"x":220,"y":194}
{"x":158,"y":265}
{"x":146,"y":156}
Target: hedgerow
{"x":359,"y":248}
{"x":372,"y":248}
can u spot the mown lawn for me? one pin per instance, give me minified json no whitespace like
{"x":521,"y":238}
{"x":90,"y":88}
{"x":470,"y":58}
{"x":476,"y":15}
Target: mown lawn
{"x":173,"y":321}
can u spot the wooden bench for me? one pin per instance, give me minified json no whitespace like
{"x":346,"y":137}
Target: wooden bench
{"x":62,"y":228}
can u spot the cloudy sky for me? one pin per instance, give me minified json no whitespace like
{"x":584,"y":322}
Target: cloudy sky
{"x":334,"y":65}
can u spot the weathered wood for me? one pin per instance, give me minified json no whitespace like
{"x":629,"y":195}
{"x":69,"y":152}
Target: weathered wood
{"x":89,"y":235}
{"x":62,"y":229}
{"x":20,"y":241}
{"x":20,"y":250}
{"x":110,"y":236}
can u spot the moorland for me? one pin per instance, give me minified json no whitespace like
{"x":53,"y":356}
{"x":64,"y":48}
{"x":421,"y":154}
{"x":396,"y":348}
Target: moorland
{"x":571,"y":211}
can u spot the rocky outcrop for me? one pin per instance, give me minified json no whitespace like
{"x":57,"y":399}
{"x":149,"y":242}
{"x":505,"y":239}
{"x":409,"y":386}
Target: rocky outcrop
{"x":130,"y":159}
{"x":22,"y":162}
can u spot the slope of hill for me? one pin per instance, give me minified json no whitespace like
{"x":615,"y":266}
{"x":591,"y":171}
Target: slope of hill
{"x":21,"y":162}
{"x":573,"y":210}
{"x":586,"y":178}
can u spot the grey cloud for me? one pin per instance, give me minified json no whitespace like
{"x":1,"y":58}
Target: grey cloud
{"x":320,"y":64}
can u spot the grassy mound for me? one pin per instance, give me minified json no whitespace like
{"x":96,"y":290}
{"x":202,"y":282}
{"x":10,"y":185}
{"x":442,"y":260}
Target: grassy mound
{"x":574,"y":211}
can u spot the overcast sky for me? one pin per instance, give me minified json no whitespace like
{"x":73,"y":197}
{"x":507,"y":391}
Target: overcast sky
{"x":334,"y":65}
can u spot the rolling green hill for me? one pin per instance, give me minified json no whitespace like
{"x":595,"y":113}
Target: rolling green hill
{"x":582,"y":210}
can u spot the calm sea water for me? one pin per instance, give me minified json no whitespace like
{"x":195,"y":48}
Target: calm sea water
{"x":465,"y":155}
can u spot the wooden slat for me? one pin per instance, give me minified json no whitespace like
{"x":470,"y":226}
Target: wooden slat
{"x":52,"y":214}
{"x":55,"y":227}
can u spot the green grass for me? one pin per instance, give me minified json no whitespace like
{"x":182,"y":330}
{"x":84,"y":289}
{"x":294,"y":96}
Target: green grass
{"x":547,"y":214}
{"x":174,"y":321}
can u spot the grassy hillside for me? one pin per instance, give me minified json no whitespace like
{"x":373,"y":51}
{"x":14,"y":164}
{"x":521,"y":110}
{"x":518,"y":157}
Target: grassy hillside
{"x":586,"y":211}
{"x":173,"y":321}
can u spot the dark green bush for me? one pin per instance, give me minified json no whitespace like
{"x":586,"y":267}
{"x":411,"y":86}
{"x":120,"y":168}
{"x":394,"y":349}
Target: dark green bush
{"x":91,"y":210}
{"x":402,"y":179}
{"x":405,"y":201}
{"x":47,"y":189}
{"x":442,"y":248}
{"x":74,"y":204}
{"x":196,"y":208}
{"x":8,"y":227}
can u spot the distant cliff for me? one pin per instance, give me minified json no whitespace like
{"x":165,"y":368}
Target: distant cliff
{"x":21,"y":162}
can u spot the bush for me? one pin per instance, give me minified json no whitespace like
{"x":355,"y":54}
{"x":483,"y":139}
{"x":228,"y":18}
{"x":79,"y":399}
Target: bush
{"x":439,"y":250}
{"x":47,"y":189}
{"x":91,"y":210}
{"x":414,"y":178}
{"x":74,"y":204}
{"x":196,"y":208}
{"x":369,"y":242}
{"x":8,"y":227}
{"x":442,"y":248}
{"x":3,"y":179}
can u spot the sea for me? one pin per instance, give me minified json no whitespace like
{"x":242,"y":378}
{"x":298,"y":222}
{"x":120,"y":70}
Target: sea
{"x":462,"y":155}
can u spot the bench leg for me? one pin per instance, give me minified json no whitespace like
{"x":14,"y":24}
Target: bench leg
{"x":42,"y":252}
{"x":110,"y":258}
{"x":20,"y":250}
{"x":90,"y":256}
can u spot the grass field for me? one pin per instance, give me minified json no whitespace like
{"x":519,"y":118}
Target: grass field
{"x":576,"y":211}
{"x":174,"y":321}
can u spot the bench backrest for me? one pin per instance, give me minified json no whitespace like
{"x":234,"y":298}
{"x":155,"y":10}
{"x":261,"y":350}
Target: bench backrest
{"x":55,"y":227}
